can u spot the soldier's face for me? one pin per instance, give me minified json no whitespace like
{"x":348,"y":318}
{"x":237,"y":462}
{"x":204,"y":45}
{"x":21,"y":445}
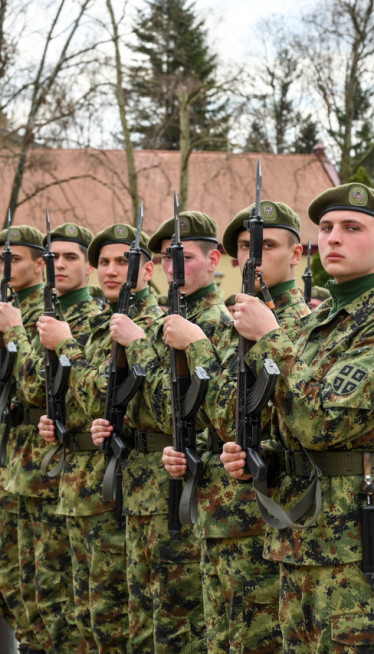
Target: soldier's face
{"x":112,"y":269}
{"x":346,"y":244}
{"x":198,"y":267}
{"x":25,"y":271}
{"x":71,"y":268}
{"x":278,"y":256}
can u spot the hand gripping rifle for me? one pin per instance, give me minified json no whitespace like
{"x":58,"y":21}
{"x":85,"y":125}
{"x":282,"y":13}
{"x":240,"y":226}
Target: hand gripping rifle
{"x":307,"y":278}
{"x":7,"y":353}
{"x":186,"y":397}
{"x":253,"y":393}
{"x":122,"y":383}
{"x":56,"y":368}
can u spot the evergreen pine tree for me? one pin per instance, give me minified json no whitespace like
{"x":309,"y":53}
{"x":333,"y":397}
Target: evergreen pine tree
{"x":171,"y":54}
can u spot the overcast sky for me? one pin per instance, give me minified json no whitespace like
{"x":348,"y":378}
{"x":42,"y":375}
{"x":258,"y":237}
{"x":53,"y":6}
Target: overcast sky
{"x":230,"y":22}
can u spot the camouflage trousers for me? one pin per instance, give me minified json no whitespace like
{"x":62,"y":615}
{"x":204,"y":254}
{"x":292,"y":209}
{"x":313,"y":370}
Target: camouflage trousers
{"x":326,"y":610}
{"x":12,"y":606}
{"x":46,"y":574}
{"x":241,"y":596}
{"x":165,"y":595}
{"x":99,"y":580}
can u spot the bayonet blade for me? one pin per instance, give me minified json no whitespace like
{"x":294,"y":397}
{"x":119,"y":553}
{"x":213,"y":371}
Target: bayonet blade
{"x":9,"y":223}
{"x":258,"y":187}
{"x":177,"y":235}
{"x":48,"y":224}
{"x":139,"y":226}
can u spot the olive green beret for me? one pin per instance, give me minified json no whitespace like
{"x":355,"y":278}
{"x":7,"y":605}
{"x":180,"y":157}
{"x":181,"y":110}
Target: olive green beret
{"x":71,"y":232}
{"x":274,"y":214}
{"x":118,"y":233}
{"x":23,"y":235}
{"x":230,"y":300}
{"x":320,"y":292}
{"x":352,"y":197}
{"x":194,"y":226}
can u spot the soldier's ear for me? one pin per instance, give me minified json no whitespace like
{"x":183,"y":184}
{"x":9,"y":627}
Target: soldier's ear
{"x":214,"y":258}
{"x":40,"y":264}
{"x":148,"y":269}
{"x":297,"y":250}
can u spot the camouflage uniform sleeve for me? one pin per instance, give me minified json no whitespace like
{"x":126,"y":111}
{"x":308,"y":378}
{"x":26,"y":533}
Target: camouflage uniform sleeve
{"x":323,"y":407}
{"x":29,"y":362}
{"x":154,"y":358}
{"x":220,"y":399}
{"x":156,"y":387}
{"x":87,"y":383}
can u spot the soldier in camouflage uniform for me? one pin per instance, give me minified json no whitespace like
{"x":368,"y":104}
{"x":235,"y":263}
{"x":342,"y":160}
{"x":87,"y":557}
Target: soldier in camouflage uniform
{"x":97,"y":538}
{"x":323,"y":419}
{"x":241,"y":590}
{"x":26,"y":279}
{"x":165,"y":605}
{"x":44,"y":551}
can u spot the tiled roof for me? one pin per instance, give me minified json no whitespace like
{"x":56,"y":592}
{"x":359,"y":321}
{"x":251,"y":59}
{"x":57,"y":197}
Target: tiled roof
{"x":93,"y":189}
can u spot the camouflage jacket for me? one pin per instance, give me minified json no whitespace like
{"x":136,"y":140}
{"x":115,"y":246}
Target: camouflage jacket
{"x":25,"y":477}
{"x":145,"y":482}
{"x":323,"y":403}
{"x":31,"y":306}
{"x":227,"y":507}
{"x":81,"y":480}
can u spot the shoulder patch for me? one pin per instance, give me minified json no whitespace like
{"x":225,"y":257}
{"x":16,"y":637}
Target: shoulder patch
{"x":348,"y":379}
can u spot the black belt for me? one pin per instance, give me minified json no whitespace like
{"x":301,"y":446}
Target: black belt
{"x":26,"y":415}
{"x":330,"y":463}
{"x":81,"y":442}
{"x":149,"y":441}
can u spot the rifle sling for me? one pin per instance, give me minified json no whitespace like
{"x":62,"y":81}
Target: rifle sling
{"x":275,"y":516}
{"x":77,"y":442}
{"x":313,"y":465}
{"x":4,"y":444}
{"x":145,"y":442}
{"x":188,"y":507}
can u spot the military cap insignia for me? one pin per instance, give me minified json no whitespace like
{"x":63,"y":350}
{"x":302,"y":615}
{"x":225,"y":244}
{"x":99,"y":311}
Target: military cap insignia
{"x":358,"y":196}
{"x":71,"y":230}
{"x":348,"y":379}
{"x":121,"y":231}
{"x":268,"y":211}
{"x":185,"y":226}
{"x":15,"y":234}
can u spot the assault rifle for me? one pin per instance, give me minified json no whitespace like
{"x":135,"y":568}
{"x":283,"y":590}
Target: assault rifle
{"x":307,"y":278}
{"x":122,"y":383}
{"x":7,"y":353}
{"x":186,"y":397}
{"x":253,"y":393}
{"x":57,"y":369}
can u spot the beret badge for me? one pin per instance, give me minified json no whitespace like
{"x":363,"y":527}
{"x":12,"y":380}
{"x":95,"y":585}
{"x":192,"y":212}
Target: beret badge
{"x":358,"y":196}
